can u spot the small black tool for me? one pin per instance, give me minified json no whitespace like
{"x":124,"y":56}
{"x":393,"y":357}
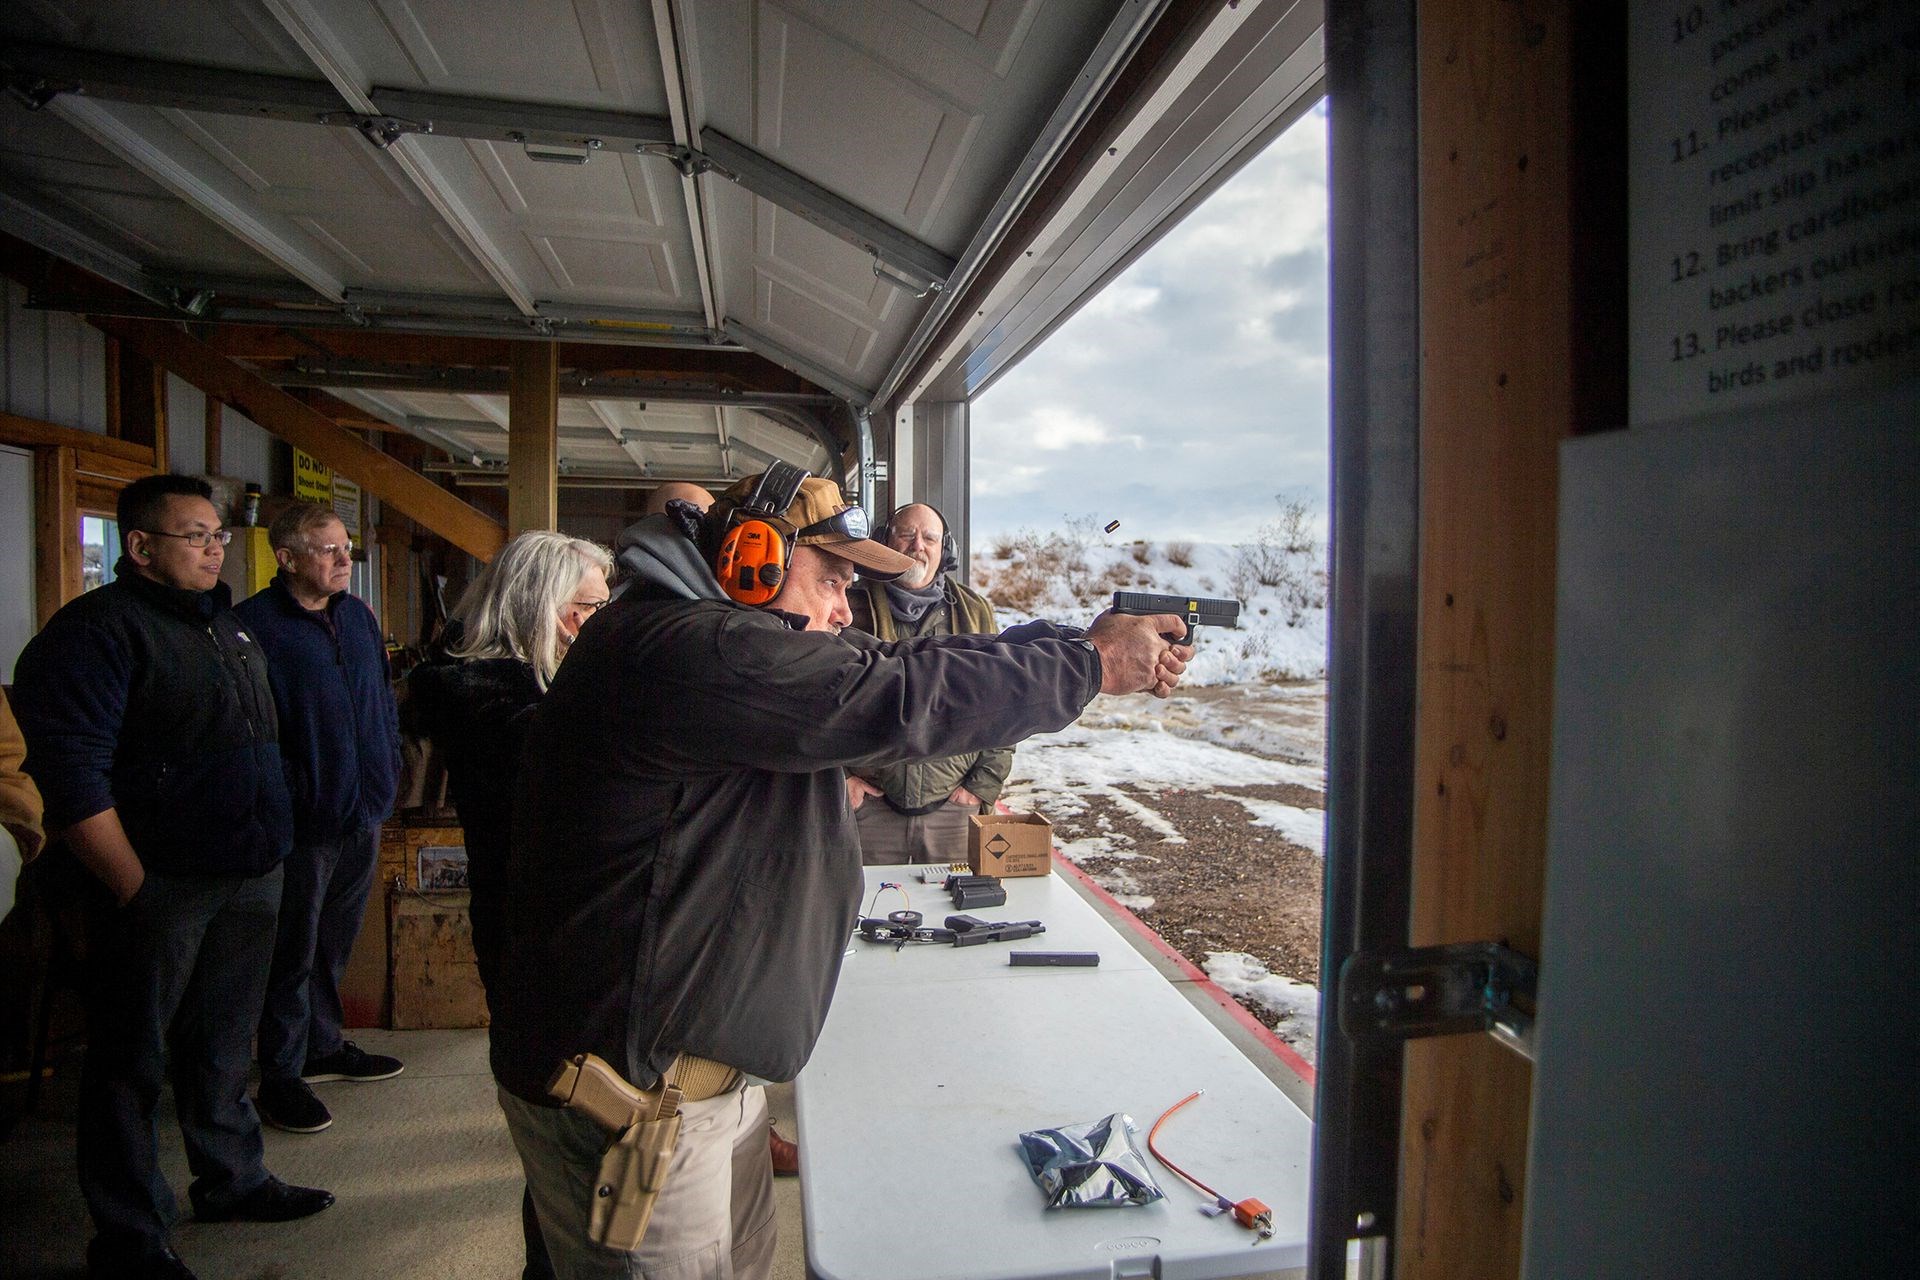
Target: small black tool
{"x":1054,"y":959}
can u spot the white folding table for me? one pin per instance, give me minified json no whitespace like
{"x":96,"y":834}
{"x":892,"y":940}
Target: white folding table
{"x":933,"y":1061}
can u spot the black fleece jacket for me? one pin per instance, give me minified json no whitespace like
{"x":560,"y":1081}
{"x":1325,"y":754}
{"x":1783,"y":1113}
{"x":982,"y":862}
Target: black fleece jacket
{"x":154,"y":701}
{"x":685,"y":871}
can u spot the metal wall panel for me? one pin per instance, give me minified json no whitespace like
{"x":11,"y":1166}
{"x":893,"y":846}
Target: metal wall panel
{"x":1725,"y":1079}
{"x":246,"y":449}
{"x":17,"y":618}
{"x":54,"y":367}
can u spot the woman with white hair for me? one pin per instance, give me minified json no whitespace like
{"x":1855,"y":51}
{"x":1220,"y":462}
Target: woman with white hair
{"x":512,"y":628}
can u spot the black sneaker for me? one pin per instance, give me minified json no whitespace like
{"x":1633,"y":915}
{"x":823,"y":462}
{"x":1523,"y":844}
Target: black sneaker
{"x":290,"y":1105}
{"x":351,"y":1062}
{"x":271,"y":1201}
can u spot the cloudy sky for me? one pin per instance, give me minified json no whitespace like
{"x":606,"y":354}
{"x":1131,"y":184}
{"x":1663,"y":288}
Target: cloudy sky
{"x":1193,"y":388}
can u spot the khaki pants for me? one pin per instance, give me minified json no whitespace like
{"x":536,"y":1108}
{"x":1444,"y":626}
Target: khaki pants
{"x":713,"y":1221}
{"x":888,"y":836}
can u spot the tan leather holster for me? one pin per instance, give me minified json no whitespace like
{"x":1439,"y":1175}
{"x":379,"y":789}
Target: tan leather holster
{"x":645,"y":1124}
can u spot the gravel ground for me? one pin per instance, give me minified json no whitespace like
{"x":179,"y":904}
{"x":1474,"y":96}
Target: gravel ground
{"x":1231,"y":887}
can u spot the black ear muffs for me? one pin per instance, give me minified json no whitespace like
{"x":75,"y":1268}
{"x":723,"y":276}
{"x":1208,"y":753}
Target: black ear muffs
{"x":755,"y":545}
{"x":949,"y":545}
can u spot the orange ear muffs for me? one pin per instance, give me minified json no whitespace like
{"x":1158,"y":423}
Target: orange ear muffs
{"x":752,"y":562}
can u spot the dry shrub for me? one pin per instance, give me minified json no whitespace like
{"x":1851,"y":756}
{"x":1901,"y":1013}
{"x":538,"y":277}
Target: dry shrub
{"x":1035,"y":563}
{"x":1285,"y":556}
{"x":1143,"y":553}
{"x":1180,"y":553}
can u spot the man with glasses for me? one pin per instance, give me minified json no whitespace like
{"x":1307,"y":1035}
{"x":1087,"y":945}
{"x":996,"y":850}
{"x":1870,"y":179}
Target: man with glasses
{"x":340,"y":735}
{"x":921,"y":810}
{"x":151,"y":732}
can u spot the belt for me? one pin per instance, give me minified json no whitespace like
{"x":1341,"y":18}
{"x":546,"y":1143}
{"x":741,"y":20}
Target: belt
{"x":919,"y":811}
{"x":700,"y":1078}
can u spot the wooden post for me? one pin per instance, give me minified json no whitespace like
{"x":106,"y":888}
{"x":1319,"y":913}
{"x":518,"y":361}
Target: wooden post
{"x":110,"y":381}
{"x":137,"y":400}
{"x":533,"y":439}
{"x":1497,"y":379}
{"x":305,"y":428}
{"x":214,"y":416}
{"x":56,"y":530}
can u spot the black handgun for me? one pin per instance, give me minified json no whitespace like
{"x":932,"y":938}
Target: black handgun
{"x":1195,"y":610}
{"x":970,"y":931}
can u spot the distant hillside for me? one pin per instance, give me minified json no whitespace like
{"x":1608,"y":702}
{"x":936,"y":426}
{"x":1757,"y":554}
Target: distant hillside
{"x":1280,"y":582}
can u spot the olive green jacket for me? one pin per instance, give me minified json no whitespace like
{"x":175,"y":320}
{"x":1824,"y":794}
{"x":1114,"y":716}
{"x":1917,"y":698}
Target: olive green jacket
{"x":926,"y":784}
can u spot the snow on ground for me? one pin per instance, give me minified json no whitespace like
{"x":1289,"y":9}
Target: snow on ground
{"x":1304,"y":827}
{"x":1295,"y":1004}
{"x":1114,"y":743}
{"x":1259,"y":721}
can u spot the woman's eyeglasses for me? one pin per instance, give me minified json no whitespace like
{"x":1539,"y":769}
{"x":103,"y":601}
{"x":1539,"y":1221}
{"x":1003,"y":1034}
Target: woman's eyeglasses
{"x":591,"y":606}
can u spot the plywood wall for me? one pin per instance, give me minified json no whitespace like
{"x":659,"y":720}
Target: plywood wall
{"x":1497,"y":397}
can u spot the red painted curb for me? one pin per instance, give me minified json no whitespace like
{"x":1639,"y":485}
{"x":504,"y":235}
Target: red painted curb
{"x":1281,"y":1049}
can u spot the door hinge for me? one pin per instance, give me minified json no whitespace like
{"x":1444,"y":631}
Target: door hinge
{"x":1454,"y":989}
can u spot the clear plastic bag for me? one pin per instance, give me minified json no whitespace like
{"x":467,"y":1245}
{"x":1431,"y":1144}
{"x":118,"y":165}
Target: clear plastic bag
{"x":1090,"y":1166}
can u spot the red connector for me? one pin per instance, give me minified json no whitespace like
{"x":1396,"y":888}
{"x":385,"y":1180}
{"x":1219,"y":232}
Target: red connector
{"x":1254,"y":1216}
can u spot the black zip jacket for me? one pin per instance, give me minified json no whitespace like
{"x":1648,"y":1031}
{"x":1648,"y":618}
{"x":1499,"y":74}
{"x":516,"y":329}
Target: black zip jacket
{"x":154,"y":701}
{"x":685,"y":872}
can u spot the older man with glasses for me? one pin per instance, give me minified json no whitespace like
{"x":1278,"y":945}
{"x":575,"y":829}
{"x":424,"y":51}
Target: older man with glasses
{"x":151,"y":731}
{"x":340,"y":734}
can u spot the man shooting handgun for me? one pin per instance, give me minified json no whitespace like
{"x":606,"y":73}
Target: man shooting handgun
{"x":689,"y":923}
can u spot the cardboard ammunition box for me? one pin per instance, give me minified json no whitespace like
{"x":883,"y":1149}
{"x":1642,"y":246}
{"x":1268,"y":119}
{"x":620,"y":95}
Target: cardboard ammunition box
{"x":436,"y":982}
{"x":1010,"y":844}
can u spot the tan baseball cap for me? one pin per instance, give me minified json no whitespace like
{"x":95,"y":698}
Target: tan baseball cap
{"x":822,"y":518}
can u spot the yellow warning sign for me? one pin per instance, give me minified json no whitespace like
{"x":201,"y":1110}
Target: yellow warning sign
{"x":312,"y":479}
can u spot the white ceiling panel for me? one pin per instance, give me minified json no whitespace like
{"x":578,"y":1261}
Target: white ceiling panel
{"x":226,"y":33}
{"x":294,"y":165}
{"x":789,"y":310}
{"x":914,"y":113}
{"x":814,"y":93}
{"x":579,"y":52}
{"x":45,"y":159}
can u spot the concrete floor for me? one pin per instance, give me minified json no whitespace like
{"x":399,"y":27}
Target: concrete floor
{"x":427,"y":1180}
{"x":426,"y":1176}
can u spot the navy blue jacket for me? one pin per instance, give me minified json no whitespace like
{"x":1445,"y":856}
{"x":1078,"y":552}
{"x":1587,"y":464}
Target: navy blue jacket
{"x":339,"y":731}
{"x":152,"y":701}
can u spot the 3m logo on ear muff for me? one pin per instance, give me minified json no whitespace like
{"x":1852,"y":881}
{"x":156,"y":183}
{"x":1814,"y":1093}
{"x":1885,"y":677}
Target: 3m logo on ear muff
{"x":757,"y":544}
{"x":752,"y":563}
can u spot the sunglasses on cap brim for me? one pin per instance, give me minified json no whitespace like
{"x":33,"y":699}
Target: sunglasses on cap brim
{"x":849,"y":525}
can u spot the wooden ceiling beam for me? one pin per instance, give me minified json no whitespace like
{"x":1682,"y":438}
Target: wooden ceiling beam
{"x":261,"y":344}
{"x":310,"y":431}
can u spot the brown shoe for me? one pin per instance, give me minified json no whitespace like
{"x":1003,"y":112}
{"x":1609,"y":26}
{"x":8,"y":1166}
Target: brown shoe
{"x":786,"y":1155}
